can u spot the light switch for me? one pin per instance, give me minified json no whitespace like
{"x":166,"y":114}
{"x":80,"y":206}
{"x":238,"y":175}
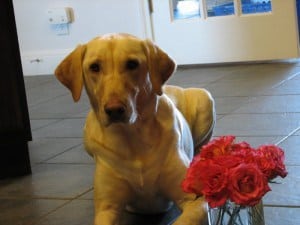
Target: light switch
{"x":59,"y":15}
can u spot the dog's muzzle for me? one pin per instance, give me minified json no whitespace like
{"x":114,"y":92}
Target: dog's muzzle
{"x":115,"y":111}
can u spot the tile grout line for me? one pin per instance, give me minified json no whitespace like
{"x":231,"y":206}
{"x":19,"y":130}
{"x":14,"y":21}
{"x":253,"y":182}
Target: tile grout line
{"x":51,"y":123}
{"x":65,"y":163}
{"x":68,"y":149}
{"x":85,"y":192}
{"x":47,"y":100}
{"x":26,"y":197}
{"x":48,"y":213}
{"x":282,"y":206}
{"x":255,"y":95}
{"x":286,"y":137}
{"x":69,"y":200}
{"x":258,"y":113}
{"x":285,"y":80}
{"x":59,"y":118}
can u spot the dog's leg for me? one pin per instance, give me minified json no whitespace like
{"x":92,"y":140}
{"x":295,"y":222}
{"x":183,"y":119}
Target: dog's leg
{"x":107,"y":216}
{"x":111,"y":195}
{"x":193,"y":209}
{"x":194,"y":212}
{"x":198,"y":108}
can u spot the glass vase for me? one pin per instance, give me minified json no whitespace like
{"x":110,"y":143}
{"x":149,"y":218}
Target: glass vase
{"x":233,"y":214}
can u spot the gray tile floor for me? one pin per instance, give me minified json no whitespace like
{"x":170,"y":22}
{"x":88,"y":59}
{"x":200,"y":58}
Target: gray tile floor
{"x":258,"y":103}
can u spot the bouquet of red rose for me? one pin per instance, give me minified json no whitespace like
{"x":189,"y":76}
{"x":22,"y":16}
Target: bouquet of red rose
{"x":228,"y":171}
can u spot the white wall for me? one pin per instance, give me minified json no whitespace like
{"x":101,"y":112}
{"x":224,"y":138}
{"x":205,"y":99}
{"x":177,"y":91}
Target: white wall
{"x":38,"y":39}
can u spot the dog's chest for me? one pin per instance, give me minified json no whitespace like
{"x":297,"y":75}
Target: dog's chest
{"x":142,"y":173}
{"x":134,"y":155}
{"x":140,"y":177}
{"x":138,"y":162}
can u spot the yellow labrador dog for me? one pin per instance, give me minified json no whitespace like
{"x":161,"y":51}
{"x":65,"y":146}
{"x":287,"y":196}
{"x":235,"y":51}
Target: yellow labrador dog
{"x":142,"y":144}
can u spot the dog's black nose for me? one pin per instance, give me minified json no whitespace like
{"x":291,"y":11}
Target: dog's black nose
{"x":115,"y":112}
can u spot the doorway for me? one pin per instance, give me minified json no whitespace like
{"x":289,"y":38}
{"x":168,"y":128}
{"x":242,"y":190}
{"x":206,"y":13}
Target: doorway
{"x":220,"y":31}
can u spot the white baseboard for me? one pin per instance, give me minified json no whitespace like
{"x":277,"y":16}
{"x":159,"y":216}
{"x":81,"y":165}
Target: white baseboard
{"x":42,"y":62}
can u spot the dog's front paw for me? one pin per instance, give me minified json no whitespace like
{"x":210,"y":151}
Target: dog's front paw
{"x":107,"y":217}
{"x":192,"y":220}
{"x":193,"y":213}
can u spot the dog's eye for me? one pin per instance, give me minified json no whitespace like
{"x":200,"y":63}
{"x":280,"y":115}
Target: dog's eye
{"x":95,"y":67}
{"x":132,"y":64}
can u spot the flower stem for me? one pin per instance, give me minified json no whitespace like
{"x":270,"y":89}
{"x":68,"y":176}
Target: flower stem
{"x":235,"y":212}
{"x":221,"y":215}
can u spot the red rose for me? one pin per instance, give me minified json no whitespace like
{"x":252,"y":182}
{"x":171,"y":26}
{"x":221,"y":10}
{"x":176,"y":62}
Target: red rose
{"x":192,"y":182}
{"x":216,"y":147}
{"x":229,"y":161}
{"x":205,"y":177}
{"x":270,"y":159}
{"x":242,"y":149}
{"x":226,"y":170}
{"x":247,"y":184}
{"x":215,"y":180}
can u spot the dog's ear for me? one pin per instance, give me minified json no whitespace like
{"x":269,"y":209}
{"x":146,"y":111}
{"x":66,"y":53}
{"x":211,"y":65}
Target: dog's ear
{"x":69,"y":72}
{"x":160,"y":65}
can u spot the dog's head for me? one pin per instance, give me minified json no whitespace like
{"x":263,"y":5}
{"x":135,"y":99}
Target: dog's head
{"x":120,"y":72}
